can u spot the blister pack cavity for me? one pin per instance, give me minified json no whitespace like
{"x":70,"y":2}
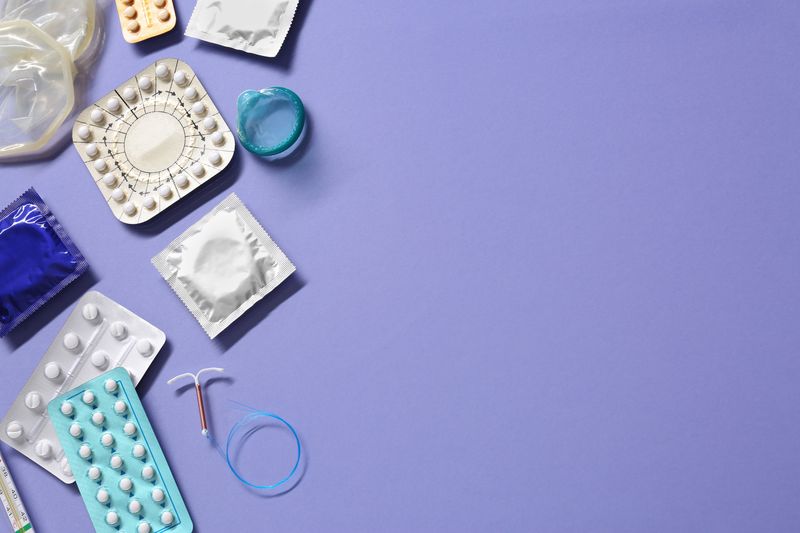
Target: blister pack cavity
{"x":99,"y":335}
{"x":121,"y":471}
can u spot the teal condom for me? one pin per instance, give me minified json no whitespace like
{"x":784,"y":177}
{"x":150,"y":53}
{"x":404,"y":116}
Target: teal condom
{"x":269,"y":121}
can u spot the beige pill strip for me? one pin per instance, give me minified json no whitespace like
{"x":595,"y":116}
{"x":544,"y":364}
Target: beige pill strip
{"x":143,"y":19}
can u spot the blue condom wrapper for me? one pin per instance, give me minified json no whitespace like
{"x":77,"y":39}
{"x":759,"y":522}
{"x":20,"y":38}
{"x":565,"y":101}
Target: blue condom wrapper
{"x":37,"y":259}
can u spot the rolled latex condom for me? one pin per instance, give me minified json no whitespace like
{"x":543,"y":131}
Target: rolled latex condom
{"x":270,"y":122}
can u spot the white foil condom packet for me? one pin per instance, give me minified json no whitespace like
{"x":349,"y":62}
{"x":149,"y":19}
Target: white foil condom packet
{"x":223,"y":265}
{"x":254,"y":26}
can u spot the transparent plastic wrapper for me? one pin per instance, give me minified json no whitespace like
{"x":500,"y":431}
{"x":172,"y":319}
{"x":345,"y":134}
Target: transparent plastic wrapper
{"x":71,"y":23}
{"x":45,"y":47}
{"x":36,"y":88}
{"x":222,"y":265}
{"x":254,"y":26}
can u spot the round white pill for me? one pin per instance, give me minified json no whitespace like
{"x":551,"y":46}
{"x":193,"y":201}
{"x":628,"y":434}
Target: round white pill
{"x":120,"y":407}
{"x":112,"y":518}
{"x":92,"y":150}
{"x":198,"y":108}
{"x":90,"y":311}
{"x":85,"y":451}
{"x":65,"y":467}
{"x":148,"y":473}
{"x":135,"y":506}
{"x":100,"y":359}
{"x":107,"y":440}
{"x":133,"y":26}
{"x":143,"y":527}
{"x":119,"y":330}
{"x":67,"y":409}
{"x":33,"y":401}
{"x":43,"y":448}
{"x":129,"y":93}
{"x":113,"y":104}
{"x":94,"y":473}
{"x":130,"y":429}
{"x":98,"y":418}
{"x":180,"y":77}
{"x":144,"y":347}
{"x":197,"y":169}
{"x":125,"y":484}
{"x":129,"y":12}
{"x":167,"y":518}
{"x":116,"y":462}
{"x":162,"y":71}
{"x":165,"y":191}
{"x":139,"y":451}
{"x":158,"y":495}
{"x":160,"y":3}
{"x":214,"y":158}
{"x":52,"y":371}
{"x":103,"y":496}
{"x":88,"y":397}
{"x":217,"y":138}
{"x":84,"y":132}
{"x":181,"y":181}
{"x":96,"y":115}
{"x":190,"y":93}
{"x":100,"y":165}
{"x":145,"y":83}
{"x":209,"y":123}
{"x":149,"y":202}
{"x":118,"y":194}
{"x":110,"y":386}
{"x":14,"y":430}
{"x":71,"y":341}
{"x":109,"y":179}
{"x":129,"y":208}
{"x":163,"y":15}
{"x":75,"y":430}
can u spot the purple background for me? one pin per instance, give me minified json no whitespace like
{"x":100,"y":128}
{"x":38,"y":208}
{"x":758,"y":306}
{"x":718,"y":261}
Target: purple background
{"x":547,"y":272}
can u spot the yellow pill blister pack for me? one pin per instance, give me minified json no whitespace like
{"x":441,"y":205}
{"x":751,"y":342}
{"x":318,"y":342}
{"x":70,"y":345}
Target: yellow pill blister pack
{"x":142,"y":19}
{"x":153,"y":140}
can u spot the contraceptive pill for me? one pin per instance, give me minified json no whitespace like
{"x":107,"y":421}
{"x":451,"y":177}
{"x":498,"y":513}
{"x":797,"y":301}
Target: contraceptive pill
{"x":146,"y":147}
{"x":83,"y":349}
{"x":129,"y":484}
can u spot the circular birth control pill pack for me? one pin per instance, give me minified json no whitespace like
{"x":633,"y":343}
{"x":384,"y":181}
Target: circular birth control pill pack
{"x":153,"y":140}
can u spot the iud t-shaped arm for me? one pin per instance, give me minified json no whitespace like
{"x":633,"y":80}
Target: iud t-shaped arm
{"x":199,"y":390}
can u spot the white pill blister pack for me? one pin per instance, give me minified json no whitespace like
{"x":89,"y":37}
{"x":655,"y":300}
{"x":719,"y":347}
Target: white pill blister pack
{"x":99,"y":335}
{"x":153,"y":140}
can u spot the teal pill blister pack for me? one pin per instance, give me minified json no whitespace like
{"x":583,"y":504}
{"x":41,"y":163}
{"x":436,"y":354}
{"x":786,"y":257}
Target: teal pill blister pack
{"x":119,"y":466}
